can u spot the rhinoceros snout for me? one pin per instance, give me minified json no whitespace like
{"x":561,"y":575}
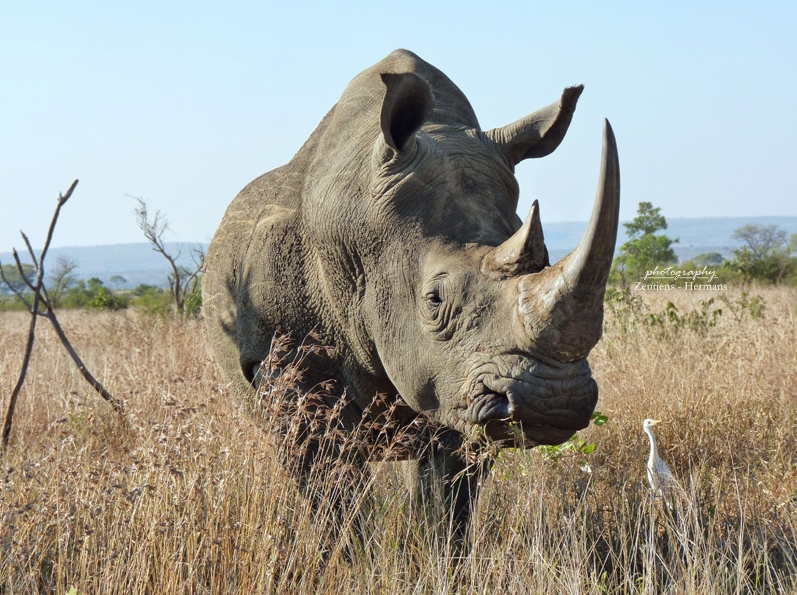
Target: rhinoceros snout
{"x":548,"y":404}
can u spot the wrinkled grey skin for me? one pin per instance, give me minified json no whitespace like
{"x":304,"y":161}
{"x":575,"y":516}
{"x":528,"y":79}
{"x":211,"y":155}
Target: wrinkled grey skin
{"x":393,"y":234}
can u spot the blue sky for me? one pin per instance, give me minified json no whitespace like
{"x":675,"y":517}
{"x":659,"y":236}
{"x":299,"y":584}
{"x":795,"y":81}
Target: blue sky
{"x":183,"y":103}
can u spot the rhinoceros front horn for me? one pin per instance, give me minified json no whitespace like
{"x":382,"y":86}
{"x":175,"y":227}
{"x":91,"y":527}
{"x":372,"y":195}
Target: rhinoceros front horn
{"x":561,"y":307}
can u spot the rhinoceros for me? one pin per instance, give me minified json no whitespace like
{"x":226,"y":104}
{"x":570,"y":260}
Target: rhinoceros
{"x":393,"y":236}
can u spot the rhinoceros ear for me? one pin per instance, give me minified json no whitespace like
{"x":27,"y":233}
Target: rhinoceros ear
{"x":407,"y":105}
{"x":538,"y":134}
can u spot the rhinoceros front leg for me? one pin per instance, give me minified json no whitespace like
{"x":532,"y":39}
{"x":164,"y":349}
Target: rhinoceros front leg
{"x":337,"y":485}
{"x":444,"y":487}
{"x":312,"y":423}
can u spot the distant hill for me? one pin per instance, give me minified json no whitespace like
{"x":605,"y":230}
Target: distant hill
{"x":138,"y":263}
{"x":696,"y":236}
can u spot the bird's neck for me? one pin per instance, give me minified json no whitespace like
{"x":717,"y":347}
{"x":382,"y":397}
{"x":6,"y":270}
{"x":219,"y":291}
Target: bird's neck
{"x":654,"y":452}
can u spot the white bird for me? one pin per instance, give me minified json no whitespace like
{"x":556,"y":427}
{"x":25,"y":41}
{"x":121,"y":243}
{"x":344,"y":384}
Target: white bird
{"x":661,"y":479}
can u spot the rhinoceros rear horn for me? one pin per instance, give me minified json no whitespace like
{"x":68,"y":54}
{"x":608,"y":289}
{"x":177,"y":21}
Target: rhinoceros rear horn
{"x":524,"y":252}
{"x":538,"y":134}
{"x":407,"y":105}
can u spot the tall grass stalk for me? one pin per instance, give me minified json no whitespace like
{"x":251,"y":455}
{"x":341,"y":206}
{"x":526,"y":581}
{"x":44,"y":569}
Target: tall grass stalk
{"x":189,"y":496}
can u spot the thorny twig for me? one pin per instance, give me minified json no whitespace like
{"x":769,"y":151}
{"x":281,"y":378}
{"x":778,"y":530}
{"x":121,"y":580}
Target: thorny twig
{"x":40,"y":297}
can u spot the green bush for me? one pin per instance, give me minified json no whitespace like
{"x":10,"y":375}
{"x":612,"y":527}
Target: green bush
{"x":746,"y":306}
{"x":144,"y":289}
{"x":699,"y":320}
{"x":193,"y":304}
{"x":13,"y":303}
{"x":93,"y":294}
{"x":152,"y":300}
{"x":765,"y":256}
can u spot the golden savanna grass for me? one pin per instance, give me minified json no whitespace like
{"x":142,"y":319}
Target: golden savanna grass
{"x":187,"y":495}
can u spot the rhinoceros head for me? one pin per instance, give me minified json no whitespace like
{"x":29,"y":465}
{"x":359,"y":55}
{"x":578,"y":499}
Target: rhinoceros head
{"x":435,"y":282}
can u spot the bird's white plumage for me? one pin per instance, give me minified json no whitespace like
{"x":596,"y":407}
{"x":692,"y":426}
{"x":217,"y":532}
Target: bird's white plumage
{"x":661,"y":479}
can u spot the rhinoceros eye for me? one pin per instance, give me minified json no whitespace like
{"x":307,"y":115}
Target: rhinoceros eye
{"x":433,"y":299}
{"x":438,"y":310}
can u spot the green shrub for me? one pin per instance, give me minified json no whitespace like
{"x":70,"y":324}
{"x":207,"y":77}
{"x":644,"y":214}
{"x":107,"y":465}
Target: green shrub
{"x":13,"y":303}
{"x":193,"y":304}
{"x":152,"y":300}
{"x":93,"y":294}
{"x":699,"y":320}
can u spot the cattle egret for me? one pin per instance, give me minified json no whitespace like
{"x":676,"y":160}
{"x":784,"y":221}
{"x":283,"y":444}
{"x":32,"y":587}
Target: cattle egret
{"x":660,"y":477}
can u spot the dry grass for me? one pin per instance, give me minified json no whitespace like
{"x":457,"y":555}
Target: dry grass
{"x":187,"y":495}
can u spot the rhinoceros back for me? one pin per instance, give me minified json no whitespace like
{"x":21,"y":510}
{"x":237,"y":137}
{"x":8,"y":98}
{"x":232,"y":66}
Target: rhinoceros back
{"x":253,"y":285}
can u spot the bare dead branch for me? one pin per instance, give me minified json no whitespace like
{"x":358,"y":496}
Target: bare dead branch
{"x":95,"y":384}
{"x":22,"y":373}
{"x":12,"y":403}
{"x":191,"y":277}
{"x":21,"y":271}
{"x":40,"y":261}
{"x":30,"y":249}
{"x":42,"y":292}
{"x":198,"y":256}
{"x":40,"y":297}
{"x":181,"y":280}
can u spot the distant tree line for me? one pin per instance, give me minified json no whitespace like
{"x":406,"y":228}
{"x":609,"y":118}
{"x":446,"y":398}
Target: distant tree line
{"x":92,"y":294}
{"x":184,"y":295}
{"x":767,"y":253}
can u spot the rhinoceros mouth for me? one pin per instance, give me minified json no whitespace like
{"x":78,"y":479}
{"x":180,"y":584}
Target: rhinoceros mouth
{"x":527,"y":401}
{"x":528,"y":435}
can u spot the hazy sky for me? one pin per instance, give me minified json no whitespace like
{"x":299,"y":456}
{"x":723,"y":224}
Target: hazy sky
{"x":183,"y":103}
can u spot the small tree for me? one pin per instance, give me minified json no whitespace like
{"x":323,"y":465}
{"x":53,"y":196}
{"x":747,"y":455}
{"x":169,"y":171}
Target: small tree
{"x":61,"y":278}
{"x":644,"y":250}
{"x":117,"y":281}
{"x":761,"y":240}
{"x":182,"y":281}
{"x":765,"y":254}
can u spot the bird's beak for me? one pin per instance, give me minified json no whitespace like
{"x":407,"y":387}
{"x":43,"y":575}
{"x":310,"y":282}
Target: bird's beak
{"x":655,"y":422}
